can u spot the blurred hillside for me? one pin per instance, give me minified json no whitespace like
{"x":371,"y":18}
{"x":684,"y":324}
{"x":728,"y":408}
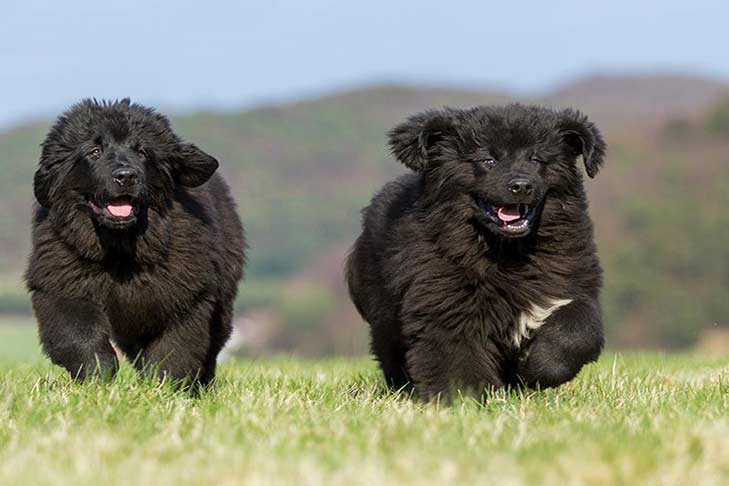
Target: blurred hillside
{"x":301,"y":172}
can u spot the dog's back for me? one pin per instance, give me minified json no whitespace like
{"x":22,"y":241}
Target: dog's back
{"x":379,"y":233}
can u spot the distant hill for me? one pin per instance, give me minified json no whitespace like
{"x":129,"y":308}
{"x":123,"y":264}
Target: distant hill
{"x":302,"y":171}
{"x":639,"y":98}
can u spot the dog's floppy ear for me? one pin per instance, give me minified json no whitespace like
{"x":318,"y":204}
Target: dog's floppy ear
{"x":416,"y":140}
{"x":51,"y":169}
{"x":193,"y":166}
{"x":583,"y":138}
{"x":43,"y":181}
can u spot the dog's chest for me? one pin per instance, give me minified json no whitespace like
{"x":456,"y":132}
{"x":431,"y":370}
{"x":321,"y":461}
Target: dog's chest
{"x":144,"y":302}
{"x":521,"y":300}
{"x":533,"y":318}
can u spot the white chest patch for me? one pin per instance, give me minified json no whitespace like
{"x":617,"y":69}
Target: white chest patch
{"x":534,"y":318}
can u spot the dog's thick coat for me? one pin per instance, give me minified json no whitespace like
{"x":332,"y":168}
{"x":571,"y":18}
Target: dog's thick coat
{"x":479,"y":270}
{"x":135,"y":241}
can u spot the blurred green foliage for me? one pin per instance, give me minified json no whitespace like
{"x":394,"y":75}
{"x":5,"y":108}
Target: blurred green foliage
{"x":304,"y":305}
{"x":302,"y":172}
{"x":717,"y":121}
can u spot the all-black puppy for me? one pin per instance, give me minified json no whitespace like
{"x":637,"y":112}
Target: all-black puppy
{"x":135,"y":240}
{"x":479,"y":270}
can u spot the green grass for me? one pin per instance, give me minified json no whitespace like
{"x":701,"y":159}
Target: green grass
{"x":18,"y":341}
{"x":630,"y":419}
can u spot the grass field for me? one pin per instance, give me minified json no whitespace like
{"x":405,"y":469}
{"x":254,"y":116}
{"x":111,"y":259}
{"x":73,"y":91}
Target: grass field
{"x":630,"y":419}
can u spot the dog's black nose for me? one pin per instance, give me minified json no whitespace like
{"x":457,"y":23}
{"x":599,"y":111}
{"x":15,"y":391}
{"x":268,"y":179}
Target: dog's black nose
{"x":521,"y":187}
{"x":124,"y":176}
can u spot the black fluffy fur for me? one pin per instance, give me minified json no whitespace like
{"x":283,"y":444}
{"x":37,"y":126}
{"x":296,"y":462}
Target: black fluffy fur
{"x":439,"y":282}
{"x":160,"y":283}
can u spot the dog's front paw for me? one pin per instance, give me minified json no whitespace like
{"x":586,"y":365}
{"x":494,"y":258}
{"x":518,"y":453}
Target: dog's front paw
{"x":544,"y":365}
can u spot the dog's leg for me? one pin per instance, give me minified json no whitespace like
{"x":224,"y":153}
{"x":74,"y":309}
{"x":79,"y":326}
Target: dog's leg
{"x":75,"y":333}
{"x":445,"y":367}
{"x":180,"y":353}
{"x":571,"y":337}
{"x":221,"y":327}
{"x":388,"y":348}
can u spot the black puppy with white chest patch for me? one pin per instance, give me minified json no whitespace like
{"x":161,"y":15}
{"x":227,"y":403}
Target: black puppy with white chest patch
{"x":479,"y":270}
{"x":136,"y":240}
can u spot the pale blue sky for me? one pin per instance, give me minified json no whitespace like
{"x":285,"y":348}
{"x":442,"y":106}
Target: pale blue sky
{"x":183,"y":55}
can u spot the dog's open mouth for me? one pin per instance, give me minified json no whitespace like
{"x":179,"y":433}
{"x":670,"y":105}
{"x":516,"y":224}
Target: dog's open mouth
{"x":511,"y":219}
{"x":120,"y":209}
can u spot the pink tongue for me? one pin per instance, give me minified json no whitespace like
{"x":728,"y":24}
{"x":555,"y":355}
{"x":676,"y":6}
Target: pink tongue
{"x":120,"y":209}
{"x":509,"y":213}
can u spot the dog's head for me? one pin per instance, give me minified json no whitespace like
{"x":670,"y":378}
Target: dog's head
{"x":112,"y":161}
{"x":506,"y":160}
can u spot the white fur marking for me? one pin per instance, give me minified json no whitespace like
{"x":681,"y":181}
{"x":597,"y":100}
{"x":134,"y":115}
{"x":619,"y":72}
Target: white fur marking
{"x":534,"y":319}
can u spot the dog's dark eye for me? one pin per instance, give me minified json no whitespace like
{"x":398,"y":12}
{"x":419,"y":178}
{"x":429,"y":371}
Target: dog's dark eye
{"x":95,"y":153}
{"x":489,"y":162}
{"x":142,"y":153}
{"x":537,"y":160}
